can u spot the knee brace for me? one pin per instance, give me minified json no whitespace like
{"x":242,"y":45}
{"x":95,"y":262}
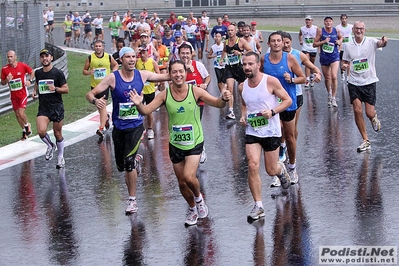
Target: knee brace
{"x":129,"y":163}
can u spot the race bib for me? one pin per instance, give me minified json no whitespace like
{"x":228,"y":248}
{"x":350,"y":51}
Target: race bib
{"x":346,"y":39}
{"x":128,"y":111}
{"x":190,"y":35}
{"x":44,"y":86}
{"x":309,"y":40}
{"x":192,"y":82}
{"x":15,"y":84}
{"x":361,"y":65}
{"x":257,"y":120}
{"x":328,"y":47}
{"x":99,"y":73}
{"x":217,"y":60}
{"x":115,"y":32}
{"x":182,"y":135}
{"x":233,"y":59}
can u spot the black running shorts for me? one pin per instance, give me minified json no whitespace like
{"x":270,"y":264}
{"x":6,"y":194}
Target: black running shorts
{"x":268,"y":143}
{"x":177,"y":155}
{"x":126,"y":143}
{"x":366,"y":93}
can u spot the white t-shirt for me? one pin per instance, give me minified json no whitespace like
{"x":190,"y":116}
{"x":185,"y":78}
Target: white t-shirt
{"x":50,"y":15}
{"x":362,"y":61}
{"x":98,"y":23}
{"x":346,"y":32}
{"x":218,"y":50}
{"x":308,"y":35}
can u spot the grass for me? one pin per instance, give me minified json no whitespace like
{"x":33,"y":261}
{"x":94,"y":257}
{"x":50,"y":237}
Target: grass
{"x":75,"y":103}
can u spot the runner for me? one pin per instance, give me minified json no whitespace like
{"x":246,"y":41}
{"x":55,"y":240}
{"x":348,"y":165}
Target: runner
{"x":359,"y":57}
{"x":14,"y":74}
{"x":234,"y":48}
{"x":49,"y":87}
{"x":50,"y":20}
{"x":263,"y":98}
{"x":346,"y":30}
{"x":329,"y":39}
{"x":185,"y":129}
{"x":216,"y":53}
{"x":128,"y":124}
{"x":147,"y":63}
{"x":285,"y":67}
{"x":97,"y":66}
{"x":114,"y":26}
{"x":306,"y":37}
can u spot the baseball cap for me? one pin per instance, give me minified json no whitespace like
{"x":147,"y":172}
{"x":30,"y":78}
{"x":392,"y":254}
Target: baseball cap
{"x":328,"y":17}
{"x":144,"y":34}
{"x":180,"y":17}
{"x":45,"y":51}
{"x":178,"y":34}
{"x":309,"y":17}
{"x":253,"y":23}
{"x":125,"y":50}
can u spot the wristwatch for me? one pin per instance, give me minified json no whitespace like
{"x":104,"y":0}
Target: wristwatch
{"x":31,"y":81}
{"x":273,"y":113}
{"x":94,"y":101}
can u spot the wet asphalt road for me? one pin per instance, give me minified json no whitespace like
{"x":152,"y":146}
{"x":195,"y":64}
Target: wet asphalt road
{"x":76,"y":216}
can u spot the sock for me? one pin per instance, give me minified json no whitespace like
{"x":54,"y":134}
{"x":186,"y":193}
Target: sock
{"x":194,"y":209}
{"x":60,"y":147}
{"x":48,"y":141}
{"x":259,"y":204}
{"x":198,"y":199}
{"x":132,"y":197}
{"x":283,"y":144}
{"x":230,"y":109}
{"x":291,"y":166}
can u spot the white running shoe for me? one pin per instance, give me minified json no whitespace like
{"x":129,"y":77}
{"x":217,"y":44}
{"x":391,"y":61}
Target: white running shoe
{"x":50,"y":152}
{"x":231,"y":115}
{"x":192,"y":217}
{"x":60,"y":163}
{"x":256,"y":213}
{"x":131,"y":206}
{"x":276,"y":182}
{"x":202,"y":209}
{"x":150,"y":133}
{"x":203,"y":156}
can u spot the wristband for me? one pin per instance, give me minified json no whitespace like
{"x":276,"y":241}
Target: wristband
{"x":292,"y":80}
{"x":273,"y":113}
{"x":221,"y":97}
{"x":94,"y":101}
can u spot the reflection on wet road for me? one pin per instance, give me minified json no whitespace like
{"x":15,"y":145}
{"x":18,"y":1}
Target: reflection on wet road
{"x":76,"y":216}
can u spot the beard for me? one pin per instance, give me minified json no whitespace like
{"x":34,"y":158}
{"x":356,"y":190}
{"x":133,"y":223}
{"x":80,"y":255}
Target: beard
{"x":249,"y":75}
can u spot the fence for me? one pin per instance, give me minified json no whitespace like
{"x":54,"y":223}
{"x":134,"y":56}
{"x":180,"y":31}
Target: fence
{"x":60,"y":62}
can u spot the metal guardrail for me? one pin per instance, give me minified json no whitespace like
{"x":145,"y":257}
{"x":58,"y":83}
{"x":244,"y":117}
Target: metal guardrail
{"x":271,"y":10}
{"x":60,"y":62}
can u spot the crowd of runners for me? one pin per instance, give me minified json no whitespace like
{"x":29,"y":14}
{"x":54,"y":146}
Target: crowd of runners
{"x":156,"y":62}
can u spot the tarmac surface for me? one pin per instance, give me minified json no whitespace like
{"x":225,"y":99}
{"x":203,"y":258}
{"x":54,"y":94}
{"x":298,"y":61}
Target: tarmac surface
{"x":75,"y":216}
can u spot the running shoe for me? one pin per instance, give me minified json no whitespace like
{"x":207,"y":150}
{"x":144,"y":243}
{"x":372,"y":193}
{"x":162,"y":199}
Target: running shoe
{"x":375,"y":122}
{"x":329,"y":100}
{"x":203,"y":156}
{"x":60,"y":163}
{"x":28,"y":130}
{"x":275,"y":182}
{"x":150,"y":133}
{"x":24,"y":136}
{"x":202,"y":209}
{"x":230,"y":115}
{"x":285,"y":177}
{"x":192,"y":217}
{"x":343,"y":76}
{"x":282,"y":154}
{"x":366,"y":145}
{"x":100,"y":133}
{"x":334,"y":102}
{"x":312,"y":76}
{"x":137,"y":163}
{"x":50,"y":152}
{"x":107,"y":122}
{"x":256,"y":213}
{"x":131,"y":207}
{"x":293,"y":175}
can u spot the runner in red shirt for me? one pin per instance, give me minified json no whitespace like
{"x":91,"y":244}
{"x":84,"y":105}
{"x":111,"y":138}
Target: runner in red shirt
{"x":14,"y":74}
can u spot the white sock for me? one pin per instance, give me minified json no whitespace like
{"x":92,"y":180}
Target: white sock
{"x":198,"y":199}
{"x":259,"y":204}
